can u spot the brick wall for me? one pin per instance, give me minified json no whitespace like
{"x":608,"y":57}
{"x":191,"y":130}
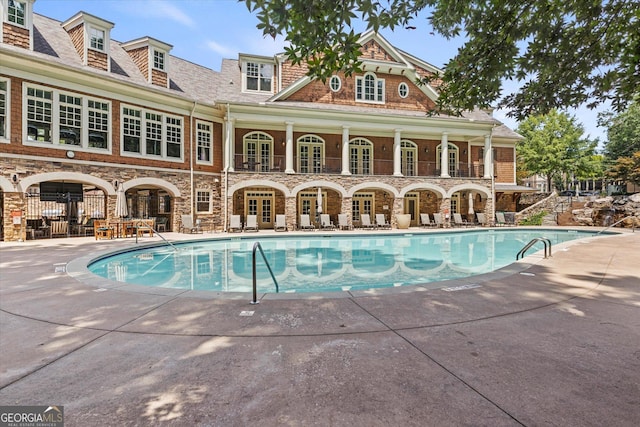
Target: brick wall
{"x":15,"y":36}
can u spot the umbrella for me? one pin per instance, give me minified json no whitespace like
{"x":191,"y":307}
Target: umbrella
{"x":471,"y":211}
{"x":121,"y":203}
{"x":319,"y":209}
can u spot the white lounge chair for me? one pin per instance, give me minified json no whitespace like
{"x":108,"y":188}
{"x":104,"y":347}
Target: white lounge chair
{"x":305,"y":223}
{"x":343,"y":222}
{"x":365,"y":222}
{"x":482,"y":219}
{"x":437,"y":219}
{"x":234,"y":224}
{"x":425,"y":221}
{"x":325,"y":222}
{"x":501,"y":220}
{"x":459,"y":222}
{"x":281,"y":223}
{"x":188,"y":225}
{"x":252,"y":223}
{"x":381,"y":221}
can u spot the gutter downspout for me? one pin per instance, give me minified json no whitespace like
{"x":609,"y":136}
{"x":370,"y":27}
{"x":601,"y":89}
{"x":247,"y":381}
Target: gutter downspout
{"x":226,"y":168}
{"x":191,"y":177}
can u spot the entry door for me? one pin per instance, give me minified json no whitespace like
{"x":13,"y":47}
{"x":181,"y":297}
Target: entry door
{"x":411,"y":207}
{"x":261,"y":205}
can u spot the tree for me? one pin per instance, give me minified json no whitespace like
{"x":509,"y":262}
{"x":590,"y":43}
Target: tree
{"x":626,"y":169}
{"x":561,"y":53}
{"x":623,"y":132}
{"x":553,"y":146}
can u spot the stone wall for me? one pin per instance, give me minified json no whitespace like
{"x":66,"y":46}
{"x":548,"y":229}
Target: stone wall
{"x":607,"y":211}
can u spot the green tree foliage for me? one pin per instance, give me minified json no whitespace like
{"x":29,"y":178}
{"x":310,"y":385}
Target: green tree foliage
{"x":562,"y":53}
{"x":623,"y":132}
{"x":554,"y":146}
{"x":626,"y":169}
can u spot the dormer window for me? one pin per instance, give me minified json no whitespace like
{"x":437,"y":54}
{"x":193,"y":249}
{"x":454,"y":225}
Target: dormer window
{"x":96,"y":37}
{"x":369,"y":88}
{"x":16,"y":13}
{"x":159,"y":60}
{"x":258,"y":76}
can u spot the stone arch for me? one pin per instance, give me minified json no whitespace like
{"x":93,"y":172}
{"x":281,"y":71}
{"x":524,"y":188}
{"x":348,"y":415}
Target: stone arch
{"x":100,"y":183}
{"x":468,"y":187}
{"x":424,"y":186}
{"x":324,"y":184}
{"x":378,"y":185}
{"x":259,"y":183}
{"x":6,"y":186}
{"x":155,"y":182}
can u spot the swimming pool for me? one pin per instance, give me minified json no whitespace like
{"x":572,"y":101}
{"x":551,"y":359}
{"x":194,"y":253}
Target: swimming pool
{"x":324,"y":263}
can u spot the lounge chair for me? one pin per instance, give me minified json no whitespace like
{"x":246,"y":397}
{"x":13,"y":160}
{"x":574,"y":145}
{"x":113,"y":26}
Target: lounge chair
{"x":234,"y":224}
{"x":459,"y":222}
{"x":325,"y":222}
{"x":343,"y":222}
{"x":305,"y":223}
{"x":365,"y":222}
{"x":425,"y":221}
{"x":381,"y":221}
{"x":281,"y":223}
{"x":501,"y":220}
{"x":252,"y":223}
{"x":482,"y":219}
{"x":188,"y":225}
{"x":438,"y":221}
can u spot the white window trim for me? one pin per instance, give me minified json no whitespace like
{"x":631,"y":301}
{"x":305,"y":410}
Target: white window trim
{"x":210,"y":207}
{"x":7,"y":138}
{"x":105,"y":40}
{"x":403,"y":84}
{"x":143,"y":135}
{"x":339,"y":80}
{"x":360,"y":80}
{"x":55,"y":121}
{"x":152,"y":60}
{"x":28,"y":14}
{"x":244,"y":76}
{"x":210,"y":161}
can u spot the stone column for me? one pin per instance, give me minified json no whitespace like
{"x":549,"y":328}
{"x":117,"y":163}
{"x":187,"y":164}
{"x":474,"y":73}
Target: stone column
{"x":398,"y":209}
{"x":397,"y":153}
{"x":444,"y":156}
{"x":487,"y":158}
{"x":290,"y":212}
{"x":347,"y":209}
{"x":289,"y":149}
{"x":17,"y":232}
{"x":445,"y":209}
{"x":345,"y":151}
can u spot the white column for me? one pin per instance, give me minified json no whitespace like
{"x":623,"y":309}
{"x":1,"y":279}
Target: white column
{"x":345,"y":151}
{"x":397,"y":153}
{"x":444,"y":155}
{"x":229,"y":145}
{"x":488,"y":161}
{"x":289,"y":148}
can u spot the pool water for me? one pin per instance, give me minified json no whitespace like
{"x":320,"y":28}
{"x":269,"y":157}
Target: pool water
{"x":324,"y":263}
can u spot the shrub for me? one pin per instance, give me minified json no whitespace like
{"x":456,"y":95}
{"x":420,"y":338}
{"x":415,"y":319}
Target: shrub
{"x":535,"y":219}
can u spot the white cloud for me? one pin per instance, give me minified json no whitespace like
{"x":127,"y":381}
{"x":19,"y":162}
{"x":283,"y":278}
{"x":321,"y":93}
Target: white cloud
{"x":167,"y":10}
{"x":222,"y":50}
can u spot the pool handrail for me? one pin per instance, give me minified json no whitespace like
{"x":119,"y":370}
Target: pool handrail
{"x":142,"y":224}
{"x":633,"y":225}
{"x":257,"y":245}
{"x":533,"y":242}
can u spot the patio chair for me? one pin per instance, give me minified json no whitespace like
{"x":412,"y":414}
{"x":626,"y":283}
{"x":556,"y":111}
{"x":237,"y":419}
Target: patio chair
{"x":482,"y":219}
{"x":326,"y":223}
{"x":459,"y":222}
{"x":161,"y":223}
{"x":281,"y":223}
{"x":365,"y":222}
{"x":252,"y":223}
{"x":501,"y":220}
{"x":343,"y":222}
{"x":59,"y":228}
{"x":381,"y":221}
{"x":438,"y":221}
{"x":234,"y":224}
{"x":425,"y":221}
{"x":189,"y":225}
{"x":101,"y":229}
{"x":305,"y":223}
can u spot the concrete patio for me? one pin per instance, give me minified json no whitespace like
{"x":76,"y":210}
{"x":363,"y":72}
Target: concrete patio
{"x":558,"y":345}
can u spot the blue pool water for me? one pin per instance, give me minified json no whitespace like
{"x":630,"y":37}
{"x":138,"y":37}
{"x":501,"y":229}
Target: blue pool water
{"x":321,"y":263}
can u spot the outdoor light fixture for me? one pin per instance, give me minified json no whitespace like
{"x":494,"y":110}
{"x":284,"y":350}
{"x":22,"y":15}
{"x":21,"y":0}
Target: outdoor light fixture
{"x":384,"y":148}
{"x":338,"y":145}
{"x":426,"y":149}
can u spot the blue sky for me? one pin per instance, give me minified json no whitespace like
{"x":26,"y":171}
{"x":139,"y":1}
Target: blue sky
{"x":206,"y":31}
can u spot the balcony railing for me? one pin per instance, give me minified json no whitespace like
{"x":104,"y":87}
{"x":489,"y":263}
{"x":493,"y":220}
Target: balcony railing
{"x":333,"y":166}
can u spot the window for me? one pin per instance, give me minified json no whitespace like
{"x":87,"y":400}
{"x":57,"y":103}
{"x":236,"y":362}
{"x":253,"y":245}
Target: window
{"x":360,"y":159}
{"x":403,"y":90}
{"x":369,"y":88}
{"x":203,"y":135}
{"x":158,"y":60}
{"x":258,"y":76}
{"x":17,"y":12}
{"x":153,"y":123}
{"x":257,"y":151}
{"x":4,"y":111}
{"x":63,"y":118}
{"x":335,"y":83}
{"x":131,"y":130}
{"x":408,"y":156}
{"x":96,"y":39}
{"x":203,"y":201}
{"x":310,"y":154}
{"x":174,"y":137}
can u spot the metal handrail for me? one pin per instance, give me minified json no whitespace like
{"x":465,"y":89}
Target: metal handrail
{"x":633,"y":227}
{"x":145,"y":225}
{"x":257,"y":245}
{"x":533,"y":242}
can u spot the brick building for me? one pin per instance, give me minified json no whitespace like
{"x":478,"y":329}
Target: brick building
{"x":81,"y":114}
